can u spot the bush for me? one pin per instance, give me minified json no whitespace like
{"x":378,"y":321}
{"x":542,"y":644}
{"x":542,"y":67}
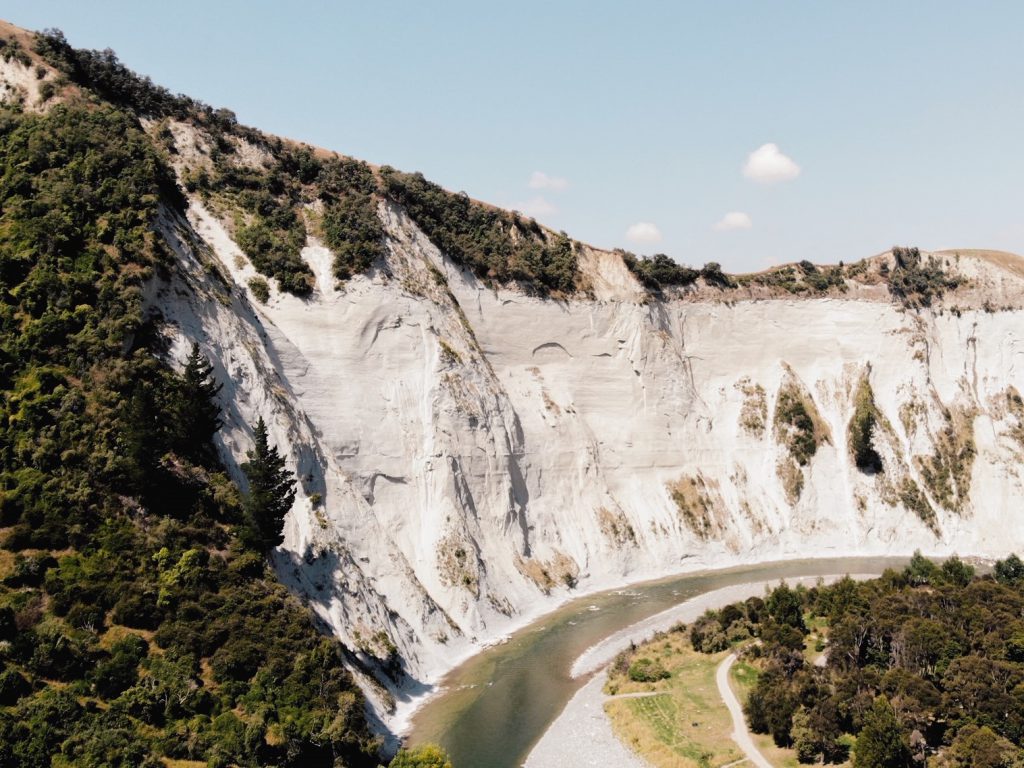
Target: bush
{"x":495,"y":244}
{"x":796,"y":425}
{"x":30,"y":570}
{"x":260,"y":289}
{"x":426,"y":756}
{"x":647,"y":671}
{"x":137,"y":608}
{"x":115,"y":675}
{"x":659,"y":271}
{"x":862,"y":428}
{"x":352,"y":230}
{"x":13,"y":686}
{"x":273,"y":245}
{"x":917,"y":282}
{"x":707,"y":634}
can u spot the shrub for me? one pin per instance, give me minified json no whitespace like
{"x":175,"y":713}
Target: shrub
{"x":273,"y":245}
{"x":260,"y":289}
{"x":795,"y":425}
{"x":13,"y":686}
{"x":707,"y":634}
{"x":426,"y":756}
{"x":659,"y":271}
{"x":917,"y":282}
{"x":137,"y":608}
{"x":352,"y":230}
{"x":861,"y":429}
{"x":647,"y":671}
{"x":495,"y":244}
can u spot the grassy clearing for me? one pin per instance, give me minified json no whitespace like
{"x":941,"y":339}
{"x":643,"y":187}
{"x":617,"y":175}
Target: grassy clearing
{"x":686,"y":724}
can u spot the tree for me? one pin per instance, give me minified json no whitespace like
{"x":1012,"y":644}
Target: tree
{"x":880,"y":743}
{"x":920,"y":570}
{"x":427,"y":756}
{"x":981,"y":748}
{"x":1010,"y":571}
{"x":785,"y":606}
{"x":957,"y":572}
{"x":271,"y":492}
{"x":196,"y":411}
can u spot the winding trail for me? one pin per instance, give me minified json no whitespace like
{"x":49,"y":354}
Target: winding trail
{"x":740,"y":733}
{"x":582,"y":734}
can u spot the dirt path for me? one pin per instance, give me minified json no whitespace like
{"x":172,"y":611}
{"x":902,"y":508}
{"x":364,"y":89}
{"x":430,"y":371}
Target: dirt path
{"x":740,"y":734}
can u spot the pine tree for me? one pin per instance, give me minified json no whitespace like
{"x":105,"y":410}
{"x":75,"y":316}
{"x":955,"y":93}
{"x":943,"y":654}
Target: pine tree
{"x":141,"y":441}
{"x":271,"y":492}
{"x":880,"y":743}
{"x":197,"y":413}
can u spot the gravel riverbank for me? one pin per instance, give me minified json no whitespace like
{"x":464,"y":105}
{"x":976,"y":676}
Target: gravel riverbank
{"x":582,"y":735}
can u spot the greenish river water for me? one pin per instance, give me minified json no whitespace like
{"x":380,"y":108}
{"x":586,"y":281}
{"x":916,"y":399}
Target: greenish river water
{"x":498,"y":704}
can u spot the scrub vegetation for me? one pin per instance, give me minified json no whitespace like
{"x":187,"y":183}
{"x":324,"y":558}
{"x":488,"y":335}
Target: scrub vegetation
{"x":660,"y":271}
{"x":798,"y":429}
{"x":497,"y":245}
{"x":915,"y":281}
{"x":139,"y":622}
{"x":865,"y":420}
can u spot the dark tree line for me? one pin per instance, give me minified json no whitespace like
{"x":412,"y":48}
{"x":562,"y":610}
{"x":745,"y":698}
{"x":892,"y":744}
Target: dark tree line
{"x":926,"y":663}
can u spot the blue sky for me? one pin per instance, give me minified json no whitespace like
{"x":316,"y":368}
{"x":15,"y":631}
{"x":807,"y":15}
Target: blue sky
{"x":892,"y":122}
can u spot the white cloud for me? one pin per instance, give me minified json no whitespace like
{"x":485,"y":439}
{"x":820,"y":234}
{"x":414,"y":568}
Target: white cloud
{"x":535,"y":206}
{"x":540,"y":180}
{"x":644,"y":232}
{"x":767,"y":164}
{"x":734,"y":220}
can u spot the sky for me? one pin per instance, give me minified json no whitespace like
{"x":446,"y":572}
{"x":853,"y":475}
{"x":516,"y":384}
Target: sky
{"x":739,"y":131}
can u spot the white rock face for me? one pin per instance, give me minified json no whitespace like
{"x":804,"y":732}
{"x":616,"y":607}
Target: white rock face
{"x":469,"y":457}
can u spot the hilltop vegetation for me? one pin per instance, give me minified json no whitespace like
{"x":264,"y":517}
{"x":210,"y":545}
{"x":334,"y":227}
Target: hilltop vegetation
{"x":916,"y":281}
{"x":496,"y":244}
{"x":271,"y":208}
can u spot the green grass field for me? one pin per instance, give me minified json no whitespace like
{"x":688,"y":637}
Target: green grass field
{"x":685,"y":723}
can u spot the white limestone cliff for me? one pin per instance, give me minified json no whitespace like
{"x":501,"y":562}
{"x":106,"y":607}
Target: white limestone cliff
{"x":469,"y":456}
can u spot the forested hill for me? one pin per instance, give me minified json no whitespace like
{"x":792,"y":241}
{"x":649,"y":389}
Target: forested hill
{"x":139,"y":621}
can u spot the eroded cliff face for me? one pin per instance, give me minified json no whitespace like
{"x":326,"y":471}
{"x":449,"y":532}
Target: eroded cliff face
{"x":469,"y":456}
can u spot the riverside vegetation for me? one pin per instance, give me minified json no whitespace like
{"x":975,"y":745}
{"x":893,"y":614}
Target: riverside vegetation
{"x":923,"y":666}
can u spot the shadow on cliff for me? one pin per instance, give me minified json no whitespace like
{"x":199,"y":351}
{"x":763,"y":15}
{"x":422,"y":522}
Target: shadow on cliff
{"x":316,"y":578}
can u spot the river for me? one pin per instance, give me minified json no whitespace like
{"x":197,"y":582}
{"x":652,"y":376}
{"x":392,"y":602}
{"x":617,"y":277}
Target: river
{"x":496,"y":706}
